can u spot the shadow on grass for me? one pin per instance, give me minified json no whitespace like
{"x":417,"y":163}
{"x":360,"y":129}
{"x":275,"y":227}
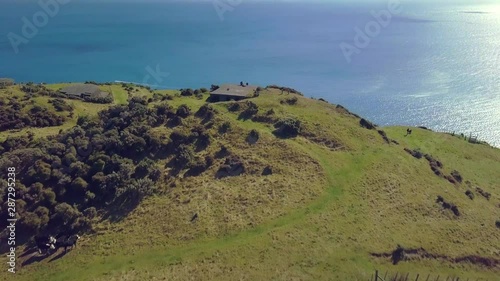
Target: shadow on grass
{"x":28,"y":252}
{"x":60,"y":255}
{"x":121,"y":208}
{"x":35,"y":258}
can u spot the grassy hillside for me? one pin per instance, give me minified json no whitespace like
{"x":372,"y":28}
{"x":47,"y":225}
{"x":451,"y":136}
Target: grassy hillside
{"x":339,"y":200}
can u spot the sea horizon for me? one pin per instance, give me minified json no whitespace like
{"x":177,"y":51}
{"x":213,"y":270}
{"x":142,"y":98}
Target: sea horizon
{"x":433,"y":66}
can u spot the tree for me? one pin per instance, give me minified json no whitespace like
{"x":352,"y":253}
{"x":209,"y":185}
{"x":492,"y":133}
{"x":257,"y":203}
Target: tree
{"x":30,"y":221}
{"x":40,"y":171}
{"x":137,"y":189}
{"x":48,"y":197}
{"x":65,"y":213}
{"x":79,"y":184}
{"x":43,"y":214}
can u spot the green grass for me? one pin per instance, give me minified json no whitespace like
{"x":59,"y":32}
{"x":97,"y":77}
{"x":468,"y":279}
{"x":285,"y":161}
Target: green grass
{"x":318,"y":217}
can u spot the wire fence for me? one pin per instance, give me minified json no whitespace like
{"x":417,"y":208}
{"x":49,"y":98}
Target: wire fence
{"x":379,"y":276}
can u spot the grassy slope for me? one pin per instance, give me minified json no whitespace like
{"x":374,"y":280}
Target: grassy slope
{"x":318,"y":217}
{"x":80,"y":108}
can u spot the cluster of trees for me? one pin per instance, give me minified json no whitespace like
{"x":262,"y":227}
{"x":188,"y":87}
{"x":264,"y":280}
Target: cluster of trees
{"x":285,"y":89}
{"x":61,"y":105}
{"x":14,"y":116}
{"x":103,"y":99}
{"x":190,"y":92}
{"x":64,"y":180}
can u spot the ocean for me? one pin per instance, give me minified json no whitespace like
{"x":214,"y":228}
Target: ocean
{"x":433,"y":65}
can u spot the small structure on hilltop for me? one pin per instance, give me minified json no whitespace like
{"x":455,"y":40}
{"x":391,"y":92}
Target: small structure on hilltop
{"x":227,"y":92}
{"x":5,"y":82}
{"x":81,"y":91}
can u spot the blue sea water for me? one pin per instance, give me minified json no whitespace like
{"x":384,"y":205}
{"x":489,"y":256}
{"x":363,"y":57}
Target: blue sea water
{"x":436,"y":65}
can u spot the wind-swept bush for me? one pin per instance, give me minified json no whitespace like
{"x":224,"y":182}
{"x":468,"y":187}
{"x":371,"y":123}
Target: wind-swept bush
{"x":183,"y":111}
{"x":287,"y":127}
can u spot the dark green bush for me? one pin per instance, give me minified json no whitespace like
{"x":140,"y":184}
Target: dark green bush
{"x":187,"y":92}
{"x":287,"y":127}
{"x":183,"y":111}
{"x":61,"y":105}
{"x":224,"y":127}
{"x":234,"y":106}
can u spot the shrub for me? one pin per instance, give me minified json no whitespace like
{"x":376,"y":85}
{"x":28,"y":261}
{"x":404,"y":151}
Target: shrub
{"x":417,"y":154}
{"x":253,"y":136}
{"x":233,"y":166}
{"x":61,"y":105}
{"x":250,"y":110}
{"x":137,"y":189}
{"x":155,"y":174}
{"x":290,"y":101}
{"x":167,"y":97}
{"x":285,"y":89}
{"x":287,"y":127}
{"x":206,"y":111}
{"x":102,"y":100}
{"x":267,"y":171}
{"x":179,"y":137}
{"x":223,"y":152}
{"x":198,"y":166}
{"x":183,"y":111}
{"x":483,"y":193}
{"x":234,"y":106}
{"x":184,"y":156}
{"x":366,"y":124}
{"x":456,"y":175}
{"x":224,"y":127}
{"x":143,"y":168}
{"x":384,"y":136}
{"x":90,"y":212}
{"x":204,"y":90}
{"x":469,"y":194}
{"x":187,"y":92}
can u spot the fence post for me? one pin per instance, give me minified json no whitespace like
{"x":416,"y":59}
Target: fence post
{"x":376,"y":275}
{"x":416,"y":279}
{"x":385,"y":275}
{"x":406,"y":278}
